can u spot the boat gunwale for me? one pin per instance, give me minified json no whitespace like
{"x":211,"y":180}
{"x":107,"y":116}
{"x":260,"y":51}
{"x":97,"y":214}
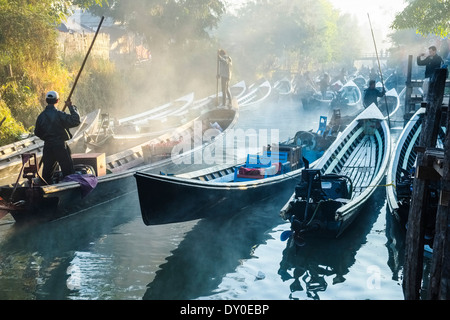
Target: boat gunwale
{"x":391,"y":176}
{"x":192,"y":182}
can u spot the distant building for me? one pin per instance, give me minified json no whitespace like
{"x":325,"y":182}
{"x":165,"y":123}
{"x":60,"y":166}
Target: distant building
{"x":113,"y":41}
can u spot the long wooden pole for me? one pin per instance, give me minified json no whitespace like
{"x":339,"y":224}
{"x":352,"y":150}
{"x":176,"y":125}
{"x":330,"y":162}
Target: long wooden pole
{"x":84,"y":62}
{"x":379,"y":68}
{"x":217,"y":83}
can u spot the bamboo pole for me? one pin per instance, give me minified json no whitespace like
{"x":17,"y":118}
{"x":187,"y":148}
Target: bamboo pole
{"x":381,"y":73}
{"x":84,"y":62}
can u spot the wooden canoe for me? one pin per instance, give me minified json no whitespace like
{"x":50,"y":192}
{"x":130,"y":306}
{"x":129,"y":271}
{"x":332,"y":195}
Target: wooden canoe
{"x":401,"y":170}
{"x":225,"y":189}
{"x":333,"y":191}
{"x":256,"y":93}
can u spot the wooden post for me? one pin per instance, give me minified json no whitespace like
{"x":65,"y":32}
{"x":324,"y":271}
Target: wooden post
{"x":408,"y":90}
{"x":415,"y":234}
{"x":439,"y":287}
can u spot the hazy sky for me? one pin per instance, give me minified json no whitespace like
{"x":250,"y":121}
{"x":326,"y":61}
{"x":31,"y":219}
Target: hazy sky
{"x":381,"y":12}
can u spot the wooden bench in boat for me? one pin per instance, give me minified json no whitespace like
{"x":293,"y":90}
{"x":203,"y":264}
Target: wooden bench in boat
{"x":360,"y":166}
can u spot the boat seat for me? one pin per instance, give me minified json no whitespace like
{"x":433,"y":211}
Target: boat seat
{"x":322,"y":125}
{"x":266,"y":159}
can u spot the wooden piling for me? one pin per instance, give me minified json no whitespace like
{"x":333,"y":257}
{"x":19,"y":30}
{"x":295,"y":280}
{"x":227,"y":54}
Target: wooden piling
{"x":414,"y":242}
{"x":439,"y":284}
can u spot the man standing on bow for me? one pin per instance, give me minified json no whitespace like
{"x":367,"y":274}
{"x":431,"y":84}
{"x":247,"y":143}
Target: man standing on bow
{"x":224,"y":73}
{"x":52,"y":126}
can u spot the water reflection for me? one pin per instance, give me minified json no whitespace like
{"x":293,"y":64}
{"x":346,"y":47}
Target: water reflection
{"x":395,"y":245}
{"x":307,"y":268}
{"x":34,"y":260}
{"x":213,"y":248}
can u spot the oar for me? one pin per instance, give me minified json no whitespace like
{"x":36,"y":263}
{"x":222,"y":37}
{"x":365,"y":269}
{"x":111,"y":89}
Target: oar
{"x":84,"y":62}
{"x":381,"y":73}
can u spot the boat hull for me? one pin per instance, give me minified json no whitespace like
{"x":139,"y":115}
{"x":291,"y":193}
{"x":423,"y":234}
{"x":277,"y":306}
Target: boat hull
{"x":43,"y":204}
{"x":168,"y":199}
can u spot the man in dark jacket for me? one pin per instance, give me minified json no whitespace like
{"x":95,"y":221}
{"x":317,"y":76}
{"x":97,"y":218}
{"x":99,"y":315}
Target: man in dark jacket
{"x":52,"y":126}
{"x":371,"y":94}
{"x":225,"y":64}
{"x":432,"y":62}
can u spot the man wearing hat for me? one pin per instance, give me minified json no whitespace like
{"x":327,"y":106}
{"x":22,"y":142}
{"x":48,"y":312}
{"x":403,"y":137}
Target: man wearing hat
{"x":52,"y":126}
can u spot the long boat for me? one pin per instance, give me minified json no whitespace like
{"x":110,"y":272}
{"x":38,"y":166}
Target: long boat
{"x":11,"y":159}
{"x":115,"y":136}
{"x":256,"y":93}
{"x":401,"y":171}
{"x":348,"y":99}
{"x":283,"y":87}
{"x":226,"y":188}
{"x":201,"y":106}
{"x":98,"y":178}
{"x":164,"y":148}
{"x":159,"y":112}
{"x":393,"y":104}
{"x":334,"y":189}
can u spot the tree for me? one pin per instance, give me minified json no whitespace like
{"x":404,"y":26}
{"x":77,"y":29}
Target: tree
{"x":294,"y":35}
{"x":165,"y":23}
{"x":177,"y":32}
{"x":29,"y":63}
{"x":426,"y":16}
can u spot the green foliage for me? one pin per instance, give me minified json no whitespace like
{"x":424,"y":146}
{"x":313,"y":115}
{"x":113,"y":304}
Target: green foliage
{"x":10,"y":129}
{"x":426,"y":16}
{"x":165,"y":23}
{"x":29,"y":64}
{"x":99,"y":86}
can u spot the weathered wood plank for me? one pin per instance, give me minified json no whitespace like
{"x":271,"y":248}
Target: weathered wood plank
{"x":440,"y":264}
{"x":415,"y":232}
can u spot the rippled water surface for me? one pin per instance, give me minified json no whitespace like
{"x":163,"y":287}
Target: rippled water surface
{"x":107,"y":252}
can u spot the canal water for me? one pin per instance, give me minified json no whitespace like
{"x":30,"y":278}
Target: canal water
{"x":107,"y":253}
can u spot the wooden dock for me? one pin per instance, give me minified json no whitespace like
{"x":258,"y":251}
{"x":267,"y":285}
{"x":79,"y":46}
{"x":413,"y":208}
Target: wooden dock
{"x":432,"y":167}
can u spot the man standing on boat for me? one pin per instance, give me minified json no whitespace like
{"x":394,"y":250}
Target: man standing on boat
{"x":224,"y":73}
{"x":371,"y":94}
{"x":432,"y":62}
{"x":52,"y":126}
